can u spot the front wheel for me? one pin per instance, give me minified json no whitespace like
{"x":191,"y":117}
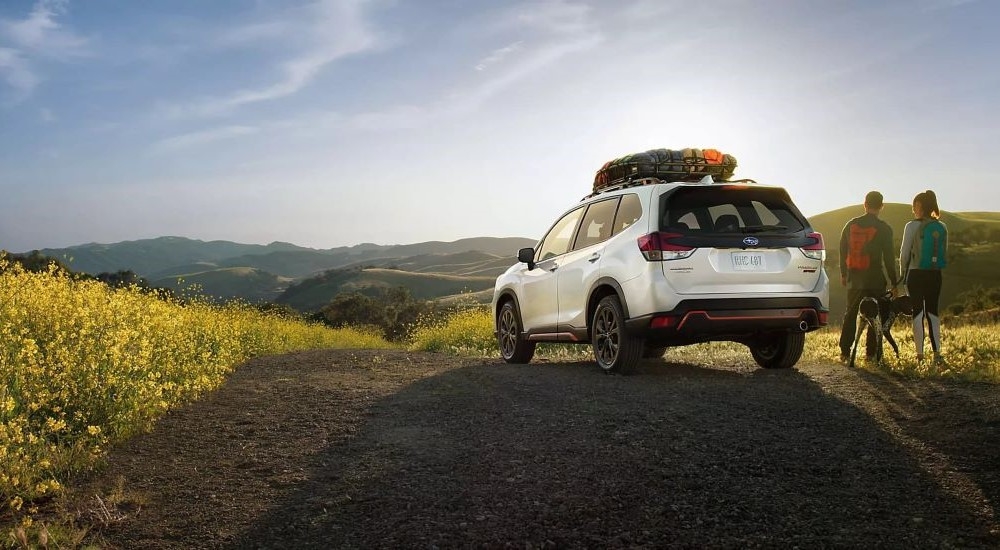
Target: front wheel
{"x":614,"y":349}
{"x":778,"y":350}
{"x":514,"y":348}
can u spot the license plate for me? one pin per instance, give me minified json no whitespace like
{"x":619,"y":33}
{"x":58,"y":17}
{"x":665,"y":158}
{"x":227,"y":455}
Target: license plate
{"x":748,"y":261}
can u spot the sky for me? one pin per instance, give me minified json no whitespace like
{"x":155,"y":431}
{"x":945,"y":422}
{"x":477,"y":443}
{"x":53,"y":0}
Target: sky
{"x":330,"y":123}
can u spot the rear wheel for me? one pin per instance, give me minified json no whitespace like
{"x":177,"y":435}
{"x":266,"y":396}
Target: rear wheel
{"x":778,"y":350}
{"x":514,"y":348}
{"x":614,"y":349}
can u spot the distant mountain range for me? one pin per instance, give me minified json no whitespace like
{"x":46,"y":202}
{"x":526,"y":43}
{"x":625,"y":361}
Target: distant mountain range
{"x":254,"y":272}
{"x":308,"y":278}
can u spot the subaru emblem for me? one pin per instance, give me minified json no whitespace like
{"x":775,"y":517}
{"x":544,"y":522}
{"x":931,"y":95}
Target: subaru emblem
{"x":751,"y":241}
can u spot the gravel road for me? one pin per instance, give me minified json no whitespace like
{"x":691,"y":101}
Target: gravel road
{"x":367,"y":449}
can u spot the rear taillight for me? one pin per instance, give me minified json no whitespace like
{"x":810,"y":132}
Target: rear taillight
{"x":661,"y":246}
{"x":816,"y":250}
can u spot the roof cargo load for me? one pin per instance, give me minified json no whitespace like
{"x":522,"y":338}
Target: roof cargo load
{"x":689,"y":164}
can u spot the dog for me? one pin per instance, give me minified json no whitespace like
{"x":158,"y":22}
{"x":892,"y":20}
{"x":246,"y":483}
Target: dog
{"x":879,"y":314}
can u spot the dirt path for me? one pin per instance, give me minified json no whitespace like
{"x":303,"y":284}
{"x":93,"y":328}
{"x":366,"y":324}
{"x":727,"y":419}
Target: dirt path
{"x":390,"y":449}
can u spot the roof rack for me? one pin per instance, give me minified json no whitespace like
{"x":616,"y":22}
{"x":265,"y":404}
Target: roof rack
{"x":623,"y":184}
{"x":649,"y":180}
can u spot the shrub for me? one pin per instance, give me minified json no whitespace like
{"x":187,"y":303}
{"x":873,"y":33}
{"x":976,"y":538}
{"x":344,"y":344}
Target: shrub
{"x":394,"y":311}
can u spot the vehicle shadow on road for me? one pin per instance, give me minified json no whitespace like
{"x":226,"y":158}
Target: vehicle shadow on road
{"x":562,"y":455}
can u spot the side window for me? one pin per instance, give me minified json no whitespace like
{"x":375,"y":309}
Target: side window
{"x":558,"y":239}
{"x":596,"y":226}
{"x":629,"y":212}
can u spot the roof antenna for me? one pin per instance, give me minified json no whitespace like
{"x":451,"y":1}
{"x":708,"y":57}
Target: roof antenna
{"x":707,"y":179}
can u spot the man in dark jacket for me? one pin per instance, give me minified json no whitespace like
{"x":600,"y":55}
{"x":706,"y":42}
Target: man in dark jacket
{"x":867,"y":265}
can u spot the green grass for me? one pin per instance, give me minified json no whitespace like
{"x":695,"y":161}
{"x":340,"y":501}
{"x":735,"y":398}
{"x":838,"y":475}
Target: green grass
{"x":972,"y":352}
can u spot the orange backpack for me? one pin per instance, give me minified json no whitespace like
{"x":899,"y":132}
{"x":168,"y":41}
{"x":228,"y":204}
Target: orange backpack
{"x":858,"y":253}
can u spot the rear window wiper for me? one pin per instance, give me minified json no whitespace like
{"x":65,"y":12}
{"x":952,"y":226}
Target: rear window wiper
{"x":763,"y":228}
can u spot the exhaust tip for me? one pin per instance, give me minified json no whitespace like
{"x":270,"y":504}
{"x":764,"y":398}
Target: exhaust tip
{"x":803,"y":326}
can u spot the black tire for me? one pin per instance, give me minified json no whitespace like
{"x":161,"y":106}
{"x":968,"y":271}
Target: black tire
{"x":614,"y":349}
{"x":514,"y":348}
{"x":654,"y":352}
{"x":778,"y":350}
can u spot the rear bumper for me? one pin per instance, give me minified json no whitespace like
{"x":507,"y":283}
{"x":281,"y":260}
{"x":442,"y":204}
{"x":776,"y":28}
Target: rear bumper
{"x":708,"y":320}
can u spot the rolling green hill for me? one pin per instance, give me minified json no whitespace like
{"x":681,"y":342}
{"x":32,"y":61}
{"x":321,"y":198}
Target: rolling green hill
{"x":182,"y":270}
{"x":151,"y":256}
{"x":171,"y":256}
{"x":428,"y":276}
{"x":292,"y":263}
{"x":471,"y":263}
{"x":248,"y":283}
{"x":314,"y":293}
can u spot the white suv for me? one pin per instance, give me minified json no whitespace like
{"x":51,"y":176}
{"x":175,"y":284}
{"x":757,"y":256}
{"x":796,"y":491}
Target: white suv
{"x":641,"y":267}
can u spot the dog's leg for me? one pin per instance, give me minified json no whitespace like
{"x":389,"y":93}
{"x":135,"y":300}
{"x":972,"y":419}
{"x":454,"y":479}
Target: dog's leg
{"x":877,"y":332}
{"x":862,"y":325}
{"x":887,"y":331}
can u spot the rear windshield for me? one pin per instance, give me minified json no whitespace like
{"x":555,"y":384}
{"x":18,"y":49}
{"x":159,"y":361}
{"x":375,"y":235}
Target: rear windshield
{"x":729,"y":209}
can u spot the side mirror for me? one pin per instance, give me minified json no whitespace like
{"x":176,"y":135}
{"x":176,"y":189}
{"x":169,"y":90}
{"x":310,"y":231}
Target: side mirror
{"x":527,"y":255}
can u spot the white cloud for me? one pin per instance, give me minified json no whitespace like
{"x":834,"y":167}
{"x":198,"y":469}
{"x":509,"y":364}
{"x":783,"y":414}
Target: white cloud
{"x":933,"y":5}
{"x":41,"y":34}
{"x":253,"y":34}
{"x":329,"y":30}
{"x":17,"y":73}
{"x":560,"y":16}
{"x":200,"y":138}
{"x":528,"y":64}
{"x":472,"y":97}
{"x":497,"y":56}
{"x":559,"y":29}
{"x":398,"y":117}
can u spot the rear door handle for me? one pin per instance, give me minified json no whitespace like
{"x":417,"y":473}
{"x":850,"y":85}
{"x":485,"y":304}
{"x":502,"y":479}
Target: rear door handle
{"x":594,"y":258}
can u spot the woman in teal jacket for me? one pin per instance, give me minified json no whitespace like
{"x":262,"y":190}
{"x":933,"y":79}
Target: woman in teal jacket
{"x":921,"y":258}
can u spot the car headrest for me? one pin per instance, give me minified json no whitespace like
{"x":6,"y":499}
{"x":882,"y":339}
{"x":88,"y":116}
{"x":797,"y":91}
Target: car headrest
{"x":727,"y":222}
